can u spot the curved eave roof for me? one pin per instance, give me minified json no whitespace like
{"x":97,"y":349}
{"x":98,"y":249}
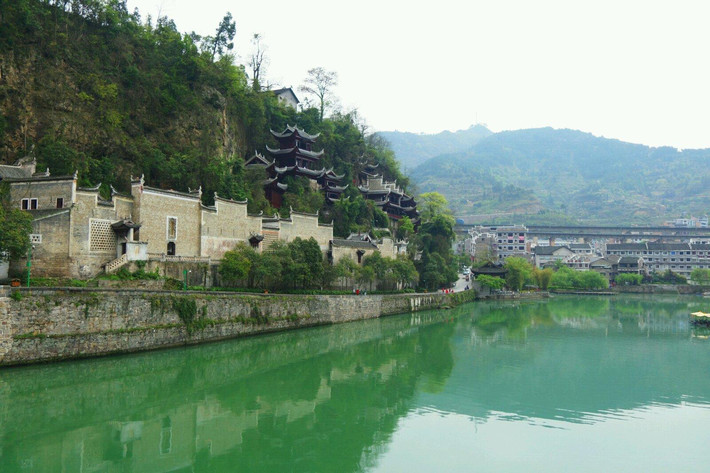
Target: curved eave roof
{"x":330,"y":173}
{"x":258,"y":160}
{"x":273,"y":182}
{"x":293,"y":130}
{"x":295,"y":150}
{"x":231,"y":201}
{"x":337,"y":188}
{"x":395,"y":206}
{"x":92,"y":189}
{"x":283,"y":170}
{"x":367,"y":191}
{"x":373,"y":175}
{"x":311,"y":154}
{"x":124,"y":225}
{"x":310,"y":172}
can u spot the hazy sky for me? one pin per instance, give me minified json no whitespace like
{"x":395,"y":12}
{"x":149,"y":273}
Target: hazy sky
{"x":638,"y":71}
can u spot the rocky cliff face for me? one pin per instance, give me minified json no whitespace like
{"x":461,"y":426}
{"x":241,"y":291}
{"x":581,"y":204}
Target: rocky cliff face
{"x":112,"y":96}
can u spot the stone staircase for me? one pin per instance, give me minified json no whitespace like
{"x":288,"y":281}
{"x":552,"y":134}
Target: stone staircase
{"x":113,"y":266}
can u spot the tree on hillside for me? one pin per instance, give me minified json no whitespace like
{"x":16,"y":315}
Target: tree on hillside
{"x":223,"y":37}
{"x":432,"y":204}
{"x":257,"y":61}
{"x":320,"y":83}
{"x":405,"y":229}
{"x":437,"y":265}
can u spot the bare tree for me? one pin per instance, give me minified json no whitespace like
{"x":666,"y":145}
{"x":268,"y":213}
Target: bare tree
{"x":320,"y":83}
{"x":258,"y":61}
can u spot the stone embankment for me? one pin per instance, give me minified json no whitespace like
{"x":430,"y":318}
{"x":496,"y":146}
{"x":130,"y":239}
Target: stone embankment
{"x":52,"y":324}
{"x":683,"y":289}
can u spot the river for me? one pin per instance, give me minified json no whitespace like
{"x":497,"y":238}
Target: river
{"x":583,"y":384}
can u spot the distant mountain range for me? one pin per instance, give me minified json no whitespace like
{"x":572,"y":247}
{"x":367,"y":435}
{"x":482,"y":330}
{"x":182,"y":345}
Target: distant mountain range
{"x":412,"y":149}
{"x":547,"y":175}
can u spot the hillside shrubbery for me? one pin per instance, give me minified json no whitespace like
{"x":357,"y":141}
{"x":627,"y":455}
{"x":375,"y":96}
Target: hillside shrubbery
{"x":88,"y":86}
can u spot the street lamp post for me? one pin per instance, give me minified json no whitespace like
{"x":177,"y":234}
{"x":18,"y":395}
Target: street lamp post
{"x":29,"y":263}
{"x":184,"y":279}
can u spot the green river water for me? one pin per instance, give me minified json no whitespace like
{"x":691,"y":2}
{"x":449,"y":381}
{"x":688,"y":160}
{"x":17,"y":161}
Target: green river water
{"x":571,"y":384}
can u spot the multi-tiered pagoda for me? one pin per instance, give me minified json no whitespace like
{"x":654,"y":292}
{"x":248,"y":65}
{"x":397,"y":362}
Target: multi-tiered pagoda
{"x":387,"y":195}
{"x":295,"y":157}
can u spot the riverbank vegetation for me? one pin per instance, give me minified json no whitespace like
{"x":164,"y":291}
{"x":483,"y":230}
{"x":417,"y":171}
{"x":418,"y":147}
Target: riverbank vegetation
{"x":628,"y":279}
{"x":299,"y":265}
{"x":521,"y":274}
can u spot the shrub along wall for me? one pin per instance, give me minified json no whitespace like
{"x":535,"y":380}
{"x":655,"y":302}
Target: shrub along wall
{"x":51,"y":324}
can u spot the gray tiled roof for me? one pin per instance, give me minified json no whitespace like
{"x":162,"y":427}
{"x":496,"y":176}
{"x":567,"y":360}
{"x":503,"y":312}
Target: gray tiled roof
{"x":626,"y":247}
{"x":669,"y":246}
{"x":14,"y":172}
{"x":547,"y":250}
{"x":353,"y":244}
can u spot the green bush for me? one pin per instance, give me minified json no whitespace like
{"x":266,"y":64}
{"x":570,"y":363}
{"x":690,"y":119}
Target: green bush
{"x":628,"y":279}
{"x":667,"y":277}
{"x":568,"y":278}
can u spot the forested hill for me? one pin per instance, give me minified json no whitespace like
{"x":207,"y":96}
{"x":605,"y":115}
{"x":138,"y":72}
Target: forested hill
{"x":85,"y":85}
{"x":550,"y":175}
{"x":413,"y":149}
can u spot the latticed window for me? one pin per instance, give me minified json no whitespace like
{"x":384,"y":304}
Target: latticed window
{"x":172,"y":228}
{"x":101,"y":236}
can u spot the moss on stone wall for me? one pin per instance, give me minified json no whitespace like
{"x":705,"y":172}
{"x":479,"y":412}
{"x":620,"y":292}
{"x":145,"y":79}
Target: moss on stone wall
{"x":93,"y":322}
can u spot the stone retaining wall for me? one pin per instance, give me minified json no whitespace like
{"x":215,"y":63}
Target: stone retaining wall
{"x":54,"y":324}
{"x":5,"y":323}
{"x":663,"y":289}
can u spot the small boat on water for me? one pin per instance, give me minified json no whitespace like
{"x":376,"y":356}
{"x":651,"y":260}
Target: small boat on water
{"x":700,"y":318}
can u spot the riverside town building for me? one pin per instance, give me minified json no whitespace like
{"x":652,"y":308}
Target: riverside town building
{"x":78,"y":234}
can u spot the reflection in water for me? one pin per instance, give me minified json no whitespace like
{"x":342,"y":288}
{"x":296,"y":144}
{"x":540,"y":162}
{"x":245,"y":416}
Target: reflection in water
{"x":347,"y":398}
{"x":313,"y":400}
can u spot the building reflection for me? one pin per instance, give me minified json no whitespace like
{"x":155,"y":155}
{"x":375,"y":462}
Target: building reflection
{"x":317,"y":400}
